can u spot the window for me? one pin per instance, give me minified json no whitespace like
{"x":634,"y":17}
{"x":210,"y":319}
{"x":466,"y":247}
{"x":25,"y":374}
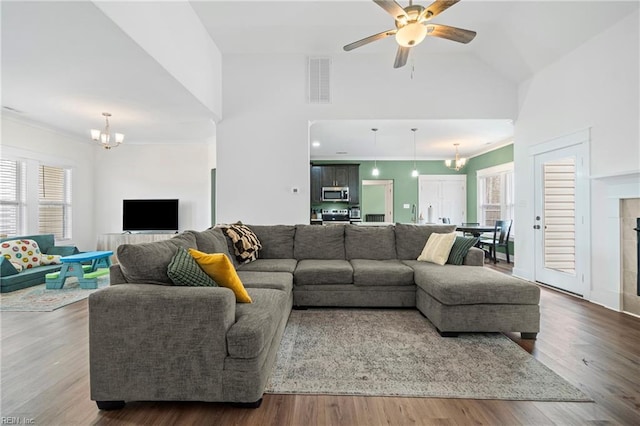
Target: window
{"x":34,"y":198}
{"x":12,"y":197}
{"x":495,"y":194}
{"x":54,"y":201}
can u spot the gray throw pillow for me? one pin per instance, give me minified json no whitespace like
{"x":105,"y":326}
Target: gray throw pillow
{"x":460,"y":249}
{"x":184,"y":270}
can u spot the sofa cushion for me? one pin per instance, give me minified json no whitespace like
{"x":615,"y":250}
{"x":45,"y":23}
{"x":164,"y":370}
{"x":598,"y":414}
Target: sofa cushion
{"x":411,"y":239}
{"x":212,"y":240}
{"x":460,"y":249}
{"x":381,"y":272}
{"x":369,"y":242}
{"x":23,"y":252}
{"x":319,"y":242}
{"x":45,"y":241}
{"x":245,"y":242}
{"x":437,"y":248}
{"x":256,"y":324}
{"x":275,"y":280}
{"x":147,"y":263}
{"x":270,"y":265}
{"x":471,"y":285}
{"x":219,"y":267}
{"x":315,"y":271}
{"x":184,"y":270}
{"x":276,"y":240}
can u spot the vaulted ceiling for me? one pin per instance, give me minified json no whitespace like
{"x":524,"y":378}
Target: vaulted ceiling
{"x":64,"y":62}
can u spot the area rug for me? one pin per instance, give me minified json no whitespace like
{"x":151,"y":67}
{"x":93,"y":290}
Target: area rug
{"x":39,"y":299}
{"x":388,"y":352}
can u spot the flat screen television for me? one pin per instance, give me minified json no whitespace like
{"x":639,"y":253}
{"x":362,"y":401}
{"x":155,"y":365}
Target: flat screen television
{"x":149,"y":215}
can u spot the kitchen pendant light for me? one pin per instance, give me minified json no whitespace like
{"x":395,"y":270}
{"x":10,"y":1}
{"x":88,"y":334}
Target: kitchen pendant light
{"x":415,"y":172}
{"x":375,"y":171}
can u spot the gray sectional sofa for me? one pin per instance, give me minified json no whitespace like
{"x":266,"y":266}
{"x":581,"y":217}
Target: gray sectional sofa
{"x":163,"y":342}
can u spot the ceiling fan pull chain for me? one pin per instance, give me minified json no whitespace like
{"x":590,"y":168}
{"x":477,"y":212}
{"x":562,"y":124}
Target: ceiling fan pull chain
{"x":413,"y":67}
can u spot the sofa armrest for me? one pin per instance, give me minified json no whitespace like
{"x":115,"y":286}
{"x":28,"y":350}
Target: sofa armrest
{"x":63,"y":250}
{"x":474,"y":257}
{"x":6,"y":268}
{"x":153,"y":342}
{"x":115,"y":275}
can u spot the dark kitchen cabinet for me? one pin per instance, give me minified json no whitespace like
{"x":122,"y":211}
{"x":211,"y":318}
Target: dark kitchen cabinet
{"x":340,"y":175}
{"x":335,"y":175}
{"x":316,"y":184}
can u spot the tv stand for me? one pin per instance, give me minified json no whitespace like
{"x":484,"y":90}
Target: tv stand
{"x":112,"y":241}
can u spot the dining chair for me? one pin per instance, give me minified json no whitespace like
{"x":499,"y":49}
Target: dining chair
{"x":500,"y":238}
{"x":446,"y":220}
{"x":374,"y":217}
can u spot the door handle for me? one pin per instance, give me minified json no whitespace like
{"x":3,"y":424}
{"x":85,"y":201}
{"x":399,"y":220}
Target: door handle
{"x":536,"y":226}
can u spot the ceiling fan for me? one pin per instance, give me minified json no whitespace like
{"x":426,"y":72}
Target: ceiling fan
{"x":412,"y":26}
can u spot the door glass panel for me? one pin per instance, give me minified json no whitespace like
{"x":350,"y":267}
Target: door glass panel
{"x":560,"y":215}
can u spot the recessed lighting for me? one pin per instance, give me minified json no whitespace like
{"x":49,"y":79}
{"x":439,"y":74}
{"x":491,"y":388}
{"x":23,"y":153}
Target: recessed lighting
{"x":315,"y":144}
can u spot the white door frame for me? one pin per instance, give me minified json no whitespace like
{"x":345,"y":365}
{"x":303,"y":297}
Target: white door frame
{"x":462,"y":179}
{"x":581,"y":141}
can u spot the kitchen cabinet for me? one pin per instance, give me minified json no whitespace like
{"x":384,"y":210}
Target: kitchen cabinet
{"x":316,"y":184}
{"x":336,"y":175}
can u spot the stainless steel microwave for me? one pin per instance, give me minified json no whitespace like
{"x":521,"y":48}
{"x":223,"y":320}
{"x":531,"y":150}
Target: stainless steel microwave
{"x":335,"y":193}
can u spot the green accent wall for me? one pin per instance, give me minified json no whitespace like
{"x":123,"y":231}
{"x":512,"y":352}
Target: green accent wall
{"x":405,"y":187}
{"x":490,"y":159}
{"x":372,"y":200}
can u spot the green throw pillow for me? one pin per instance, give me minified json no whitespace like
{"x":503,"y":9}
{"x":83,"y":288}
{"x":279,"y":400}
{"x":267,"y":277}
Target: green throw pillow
{"x":460,"y":248}
{"x":184,"y":270}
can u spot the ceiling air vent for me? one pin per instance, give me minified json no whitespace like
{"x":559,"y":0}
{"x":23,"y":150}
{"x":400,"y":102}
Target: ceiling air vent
{"x":319,"y":80}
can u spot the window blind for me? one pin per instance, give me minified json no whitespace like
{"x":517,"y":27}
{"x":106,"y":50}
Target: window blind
{"x":54,"y":198}
{"x":11,"y":197}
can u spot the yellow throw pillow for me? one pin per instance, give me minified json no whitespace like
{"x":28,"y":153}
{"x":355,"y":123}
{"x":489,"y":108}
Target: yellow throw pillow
{"x":218,"y":267}
{"x":438,"y":248}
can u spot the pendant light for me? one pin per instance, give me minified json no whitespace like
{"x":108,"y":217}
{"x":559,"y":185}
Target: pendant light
{"x":375,"y":171}
{"x":415,"y":172}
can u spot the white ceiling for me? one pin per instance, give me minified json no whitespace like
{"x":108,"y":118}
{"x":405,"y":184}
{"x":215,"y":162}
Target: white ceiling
{"x":64,"y":63}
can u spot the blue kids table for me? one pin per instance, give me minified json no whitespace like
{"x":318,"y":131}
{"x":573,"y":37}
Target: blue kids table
{"x":87,"y":274}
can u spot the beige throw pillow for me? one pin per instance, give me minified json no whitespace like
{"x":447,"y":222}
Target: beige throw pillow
{"x":438,"y":248}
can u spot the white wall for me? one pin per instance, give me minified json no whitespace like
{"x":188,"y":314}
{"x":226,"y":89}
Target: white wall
{"x":153,"y":171}
{"x":596,"y":86}
{"x":24,"y":140}
{"x":263,"y":148}
{"x":173,"y":35}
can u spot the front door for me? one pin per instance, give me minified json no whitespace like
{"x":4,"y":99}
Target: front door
{"x":559,"y":219}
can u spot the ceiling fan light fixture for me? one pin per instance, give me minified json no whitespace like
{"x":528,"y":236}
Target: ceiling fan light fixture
{"x":411,"y":34}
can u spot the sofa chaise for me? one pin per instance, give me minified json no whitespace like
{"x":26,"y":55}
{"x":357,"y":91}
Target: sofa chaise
{"x":150,"y":340}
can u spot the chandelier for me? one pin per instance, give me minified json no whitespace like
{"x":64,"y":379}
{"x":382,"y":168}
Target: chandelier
{"x":458,"y":163}
{"x":104,"y":137}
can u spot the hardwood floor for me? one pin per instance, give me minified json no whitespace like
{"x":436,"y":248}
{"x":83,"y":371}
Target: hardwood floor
{"x":45,"y":379}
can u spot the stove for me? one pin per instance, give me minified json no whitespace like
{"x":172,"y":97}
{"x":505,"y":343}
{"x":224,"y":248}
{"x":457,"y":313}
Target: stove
{"x":335,"y":216}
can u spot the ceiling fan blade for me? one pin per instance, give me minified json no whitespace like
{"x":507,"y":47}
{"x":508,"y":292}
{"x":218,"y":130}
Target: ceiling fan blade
{"x":450,"y":33}
{"x":369,"y":39}
{"x":436,"y":8}
{"x":392,"y":8}
{"x":401,"y":57}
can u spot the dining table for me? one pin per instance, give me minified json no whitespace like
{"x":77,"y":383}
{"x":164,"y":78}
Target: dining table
{"x":475,"y":230}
